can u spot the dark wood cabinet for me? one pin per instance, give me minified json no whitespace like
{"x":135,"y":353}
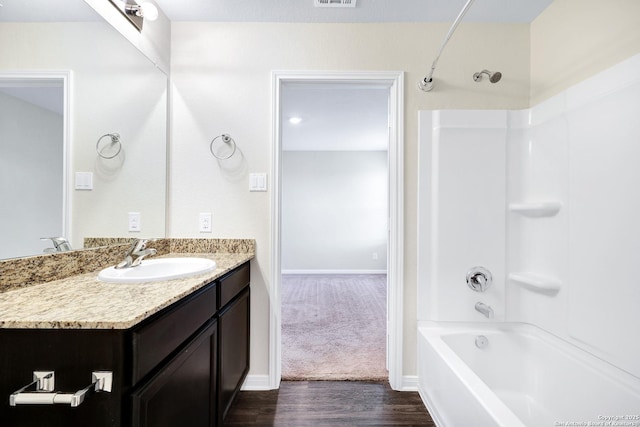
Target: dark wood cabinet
{"x":233,"y":339}
{"x":234,"y":351}
{"x":183,"y":391}
{"x":182,"y":366}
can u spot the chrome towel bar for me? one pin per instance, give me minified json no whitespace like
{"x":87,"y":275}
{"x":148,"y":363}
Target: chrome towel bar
{"x":44,"y":382}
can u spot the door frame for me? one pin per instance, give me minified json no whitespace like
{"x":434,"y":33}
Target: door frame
{"x":395,"y":257}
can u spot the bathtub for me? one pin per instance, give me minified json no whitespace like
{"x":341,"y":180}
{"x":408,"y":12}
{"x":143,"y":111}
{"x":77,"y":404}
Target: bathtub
{"x":522,"y":377}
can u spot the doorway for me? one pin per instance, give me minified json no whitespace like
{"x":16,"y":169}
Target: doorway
{"x":392,"y":84}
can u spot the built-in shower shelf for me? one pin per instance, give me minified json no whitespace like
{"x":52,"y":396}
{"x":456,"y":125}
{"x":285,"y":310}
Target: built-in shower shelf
{"x":536,"y":209}
{"x":536,"y":282}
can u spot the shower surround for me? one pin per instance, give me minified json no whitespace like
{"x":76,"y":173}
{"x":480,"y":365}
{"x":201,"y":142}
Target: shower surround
{"x":546,"y":199}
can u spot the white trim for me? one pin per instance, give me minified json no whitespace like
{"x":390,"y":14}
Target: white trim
{"x":285,"y":272}
{"x":256,"y":383}
{"x":431,"y":408}
{"x":67,"y":149}
{"x":409,"y":383}
{"x":395,"y":80}
{"x":263,"y":383}
{"x":275,"y":372}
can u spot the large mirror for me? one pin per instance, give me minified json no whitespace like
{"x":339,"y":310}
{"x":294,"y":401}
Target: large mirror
{"x":66,"y":79}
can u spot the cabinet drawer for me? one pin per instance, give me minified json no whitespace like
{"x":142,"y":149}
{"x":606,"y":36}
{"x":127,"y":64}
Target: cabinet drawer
{"x":164,"y":334}
{"x":232,"y":284}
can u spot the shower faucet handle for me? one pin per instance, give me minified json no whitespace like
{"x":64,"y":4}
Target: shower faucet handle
{"x":479,"y":279}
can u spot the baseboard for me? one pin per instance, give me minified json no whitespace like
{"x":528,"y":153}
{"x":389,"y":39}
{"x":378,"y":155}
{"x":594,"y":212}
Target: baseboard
{"x":409,"y":383}
{"x":256,"y":383}
{"x":262,"y":383}
{"x":284,"y":272}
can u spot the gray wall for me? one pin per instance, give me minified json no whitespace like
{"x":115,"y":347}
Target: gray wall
{"x":334,"y":211}
{"x":30,"y":172}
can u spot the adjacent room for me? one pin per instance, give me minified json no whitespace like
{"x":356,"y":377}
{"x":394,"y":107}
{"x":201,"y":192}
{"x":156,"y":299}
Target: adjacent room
{"x":334,"y":230}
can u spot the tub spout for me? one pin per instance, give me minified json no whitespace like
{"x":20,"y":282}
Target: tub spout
{"x":484,"y":309}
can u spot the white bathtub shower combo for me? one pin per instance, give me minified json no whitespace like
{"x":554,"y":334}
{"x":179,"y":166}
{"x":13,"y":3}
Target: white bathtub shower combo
{"x":547,"y":201}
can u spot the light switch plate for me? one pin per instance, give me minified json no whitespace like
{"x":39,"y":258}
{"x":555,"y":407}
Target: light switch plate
{"x":257,"y":182}
{"x":134,"y":221}
{"x":84,"y":180}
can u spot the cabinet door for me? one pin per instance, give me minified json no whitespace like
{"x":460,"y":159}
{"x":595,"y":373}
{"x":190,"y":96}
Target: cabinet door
{"x":234,"y":351}
{"x":182,"y":393}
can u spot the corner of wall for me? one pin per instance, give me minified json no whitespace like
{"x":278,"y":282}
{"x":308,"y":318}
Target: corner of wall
{"x":575,"y":39}
{"x":154,"y":41}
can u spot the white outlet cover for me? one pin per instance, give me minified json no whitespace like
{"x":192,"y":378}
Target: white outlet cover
{"x":205,"y":222}
{"x":134,"y":221}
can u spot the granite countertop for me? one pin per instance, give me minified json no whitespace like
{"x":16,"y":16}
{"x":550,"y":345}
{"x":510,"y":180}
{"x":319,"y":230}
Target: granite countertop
{"x":83,"y":302}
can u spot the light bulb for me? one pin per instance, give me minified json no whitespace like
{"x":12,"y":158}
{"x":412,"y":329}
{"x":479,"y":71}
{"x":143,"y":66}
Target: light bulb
{"x":149,"y":11}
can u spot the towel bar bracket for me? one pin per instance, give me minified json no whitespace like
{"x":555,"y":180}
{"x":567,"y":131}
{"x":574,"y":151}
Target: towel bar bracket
{"x":44,"y":383}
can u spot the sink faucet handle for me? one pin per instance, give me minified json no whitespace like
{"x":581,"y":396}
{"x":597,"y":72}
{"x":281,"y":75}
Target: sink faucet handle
{"x":60,"y":244}
{"x":136,"y":253}
{"x":136,"y":245}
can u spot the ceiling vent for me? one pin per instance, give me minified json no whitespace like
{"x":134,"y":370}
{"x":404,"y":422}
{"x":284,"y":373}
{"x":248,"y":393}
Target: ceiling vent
{"x":334,"y":3}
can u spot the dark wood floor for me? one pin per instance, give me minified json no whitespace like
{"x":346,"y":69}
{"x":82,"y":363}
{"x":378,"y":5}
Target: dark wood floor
{"x":328,"y":403}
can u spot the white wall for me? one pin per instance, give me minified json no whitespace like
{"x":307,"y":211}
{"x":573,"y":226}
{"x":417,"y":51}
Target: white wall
{"x":154,"y":40}
{"x":221,"y":83}
{"x":334,"y":211}
{"x":114,"y":89}
{"x":576,"y":264}
{"x":461,"y":219}
{"x":31,"y":176}
{"x":584,"y":154}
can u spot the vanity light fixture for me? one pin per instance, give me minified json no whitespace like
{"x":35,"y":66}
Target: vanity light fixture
{"x":295,"y":120}
{"x":146,"y":10}
{"x":137,"y":12}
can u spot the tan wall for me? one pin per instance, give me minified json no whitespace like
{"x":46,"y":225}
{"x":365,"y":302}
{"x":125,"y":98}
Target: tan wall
{"x":221,"y":73}
{"x":575,"y":39}
{"x":105,"y":82}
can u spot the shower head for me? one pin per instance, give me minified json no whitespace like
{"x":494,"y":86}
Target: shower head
{"x":493,"y":77}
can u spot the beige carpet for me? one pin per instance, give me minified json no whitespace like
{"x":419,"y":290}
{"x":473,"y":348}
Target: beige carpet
{"x":334,"y":327}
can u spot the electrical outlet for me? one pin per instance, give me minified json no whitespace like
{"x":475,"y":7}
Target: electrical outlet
{"x":205,"y":222}
{"x":374,"y":255}
{"x":134,"y":221}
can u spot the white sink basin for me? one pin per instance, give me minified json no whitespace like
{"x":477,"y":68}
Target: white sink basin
{"x":151,"y":270}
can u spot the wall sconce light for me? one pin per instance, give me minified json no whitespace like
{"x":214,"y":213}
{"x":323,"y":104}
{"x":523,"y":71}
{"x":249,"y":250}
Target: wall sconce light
{"x":136,"y":12}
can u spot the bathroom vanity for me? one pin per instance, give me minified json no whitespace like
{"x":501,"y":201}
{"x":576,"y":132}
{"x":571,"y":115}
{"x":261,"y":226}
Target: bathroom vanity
{"x":176,"y":351}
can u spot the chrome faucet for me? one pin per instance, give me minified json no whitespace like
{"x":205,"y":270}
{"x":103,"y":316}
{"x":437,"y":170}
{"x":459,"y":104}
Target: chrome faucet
{"x":136,"y":253}
{"x":484,"y":309}
{"x":60,"y":244}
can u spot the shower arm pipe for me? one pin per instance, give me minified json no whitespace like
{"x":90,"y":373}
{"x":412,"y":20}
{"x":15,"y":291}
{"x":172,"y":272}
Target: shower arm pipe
{"x":427,"y":83}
